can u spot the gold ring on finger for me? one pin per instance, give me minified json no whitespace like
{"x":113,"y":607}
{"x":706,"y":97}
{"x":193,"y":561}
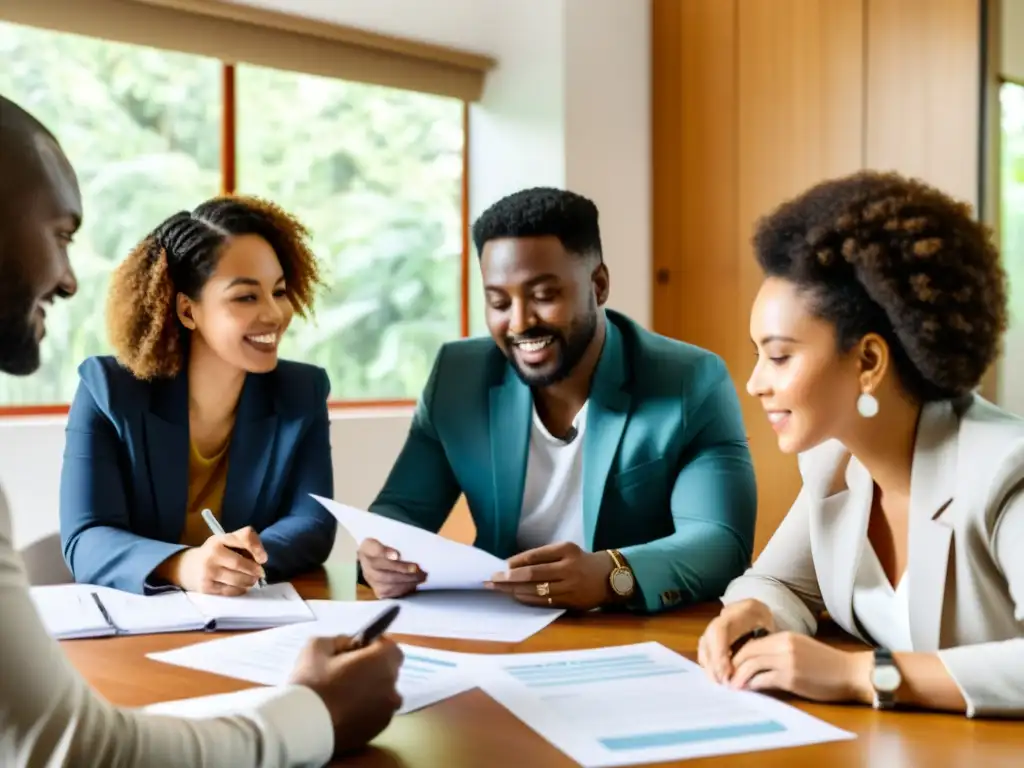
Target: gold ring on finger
{"x":543,"y":590}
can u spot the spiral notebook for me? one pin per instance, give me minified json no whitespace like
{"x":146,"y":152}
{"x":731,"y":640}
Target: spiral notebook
{"x":71,"y":611}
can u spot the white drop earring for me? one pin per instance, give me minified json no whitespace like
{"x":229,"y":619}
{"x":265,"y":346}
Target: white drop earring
{"x":867,"y":405}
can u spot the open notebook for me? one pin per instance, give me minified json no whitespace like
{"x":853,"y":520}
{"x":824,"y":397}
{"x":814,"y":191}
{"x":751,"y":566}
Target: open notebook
{"x":83,"y":610}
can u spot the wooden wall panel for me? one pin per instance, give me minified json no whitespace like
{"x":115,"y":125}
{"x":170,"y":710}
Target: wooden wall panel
{"x":800,"y":76}
{"x":923,"y":105}
{"x":755,"y":100}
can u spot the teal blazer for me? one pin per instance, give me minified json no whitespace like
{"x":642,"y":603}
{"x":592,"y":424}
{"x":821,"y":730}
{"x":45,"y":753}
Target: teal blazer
{"x":667,"y":473}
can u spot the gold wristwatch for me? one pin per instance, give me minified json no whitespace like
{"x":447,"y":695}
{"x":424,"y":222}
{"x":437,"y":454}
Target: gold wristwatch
{"x":621,"y":578}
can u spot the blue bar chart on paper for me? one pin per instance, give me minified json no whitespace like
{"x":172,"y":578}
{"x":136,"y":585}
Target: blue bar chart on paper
{"x":641,"y":704}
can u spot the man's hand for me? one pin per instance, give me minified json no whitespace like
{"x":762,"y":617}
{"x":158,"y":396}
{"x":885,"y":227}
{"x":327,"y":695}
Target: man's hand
{"x":385,"y":572}
{"x":714,"y":651}
{"x":560,"y":575}
{"x":358,"y":687}
{"x":227,"y":565}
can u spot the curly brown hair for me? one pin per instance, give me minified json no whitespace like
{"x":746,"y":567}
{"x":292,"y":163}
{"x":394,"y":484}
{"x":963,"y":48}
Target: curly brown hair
{"x":179,"y":256}
{"x":881,"y":253}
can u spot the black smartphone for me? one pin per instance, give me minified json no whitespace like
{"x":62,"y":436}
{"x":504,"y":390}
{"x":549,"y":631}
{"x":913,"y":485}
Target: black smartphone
{"x":375,"y":628}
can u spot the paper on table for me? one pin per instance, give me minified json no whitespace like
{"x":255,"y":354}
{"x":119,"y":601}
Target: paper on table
{"x":272,"y":605}
{"x":68,"y":611}
{"x":641,"y":704}
{"x":489,"y":616}
{"x":135,"y":614}
{"x":268,"y":657}
{"x":85,"y":610}
{"x":448,"y":564}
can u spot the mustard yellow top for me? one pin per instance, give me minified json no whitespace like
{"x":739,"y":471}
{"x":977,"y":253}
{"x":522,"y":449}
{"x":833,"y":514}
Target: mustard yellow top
{"x":206,"y":480}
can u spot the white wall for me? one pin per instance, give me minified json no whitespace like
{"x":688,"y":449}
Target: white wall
{"x":568,"y":105}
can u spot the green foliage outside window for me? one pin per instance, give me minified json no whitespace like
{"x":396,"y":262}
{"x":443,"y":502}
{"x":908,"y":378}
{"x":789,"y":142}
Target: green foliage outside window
{"x":375,"y":173}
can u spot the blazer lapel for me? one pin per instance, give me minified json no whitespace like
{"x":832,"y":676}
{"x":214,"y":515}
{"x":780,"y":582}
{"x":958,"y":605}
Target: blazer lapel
{"x":167,"y":453}
{"x":252,"y":444}
{"x":607,"y":411}
{"x":510,"y":407}
{"x":839,"y":530}
{"x":932,"y":508}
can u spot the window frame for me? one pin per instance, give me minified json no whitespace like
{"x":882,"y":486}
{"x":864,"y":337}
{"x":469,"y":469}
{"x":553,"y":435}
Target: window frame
{"x":229,"y":179}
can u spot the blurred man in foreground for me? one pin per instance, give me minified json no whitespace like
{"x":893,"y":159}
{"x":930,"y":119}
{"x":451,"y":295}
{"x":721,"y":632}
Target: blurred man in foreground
{"x":338,"y":699}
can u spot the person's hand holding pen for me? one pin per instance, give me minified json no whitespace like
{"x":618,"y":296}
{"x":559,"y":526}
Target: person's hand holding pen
{"x":228,"y":564}
{"x":737,"y":624}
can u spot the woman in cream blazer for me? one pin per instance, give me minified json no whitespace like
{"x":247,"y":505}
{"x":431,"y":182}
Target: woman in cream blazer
{"x":883,"y":305}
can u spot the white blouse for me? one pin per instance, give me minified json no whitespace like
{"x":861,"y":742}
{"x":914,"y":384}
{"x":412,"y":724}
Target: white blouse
{"x":883,"y":611}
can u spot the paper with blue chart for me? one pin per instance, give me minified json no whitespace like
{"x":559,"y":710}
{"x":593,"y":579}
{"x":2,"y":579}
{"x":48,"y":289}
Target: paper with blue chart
{"x":268,"y":657}
{"x":641,"y":704}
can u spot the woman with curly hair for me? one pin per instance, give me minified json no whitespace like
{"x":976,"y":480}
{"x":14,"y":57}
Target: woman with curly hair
{"x":883,"y":305}
{"x":197,"y":413}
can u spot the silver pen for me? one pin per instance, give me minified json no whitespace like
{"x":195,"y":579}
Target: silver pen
{"x":215,"y":526}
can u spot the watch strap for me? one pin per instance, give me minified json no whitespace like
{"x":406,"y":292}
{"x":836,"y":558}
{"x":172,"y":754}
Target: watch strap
{"x":620,"y":565}
{"x":884,"y":699}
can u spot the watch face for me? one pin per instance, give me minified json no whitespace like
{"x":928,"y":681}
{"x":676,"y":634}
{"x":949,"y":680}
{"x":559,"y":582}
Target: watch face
{"x":886,"y":678}
{"x":622,"y":581}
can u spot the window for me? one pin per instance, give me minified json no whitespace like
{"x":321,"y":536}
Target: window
{"x":142,"y":129}
{"x":376,"y":173}
{"x":1011,"y":216}
{"x":1011,"y":226}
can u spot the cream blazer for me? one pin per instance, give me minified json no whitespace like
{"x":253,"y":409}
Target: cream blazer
{"x":49,"y":715}
{"x":966,"y":549}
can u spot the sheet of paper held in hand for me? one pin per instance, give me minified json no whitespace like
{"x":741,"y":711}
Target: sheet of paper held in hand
{"x":641,"y":704}
{"x":268,"y":657}
{"x":448,"y":564}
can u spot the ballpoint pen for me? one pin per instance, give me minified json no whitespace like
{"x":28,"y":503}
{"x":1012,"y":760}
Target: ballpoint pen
{"x":215,"y":527}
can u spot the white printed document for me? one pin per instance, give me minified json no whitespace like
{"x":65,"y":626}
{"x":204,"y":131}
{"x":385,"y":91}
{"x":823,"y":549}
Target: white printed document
{"x":448,"y":564}
{"x":456,"y":614}
{"x":71,"y":611}
{"x":268,"y":657}
{"x":641,"y":704}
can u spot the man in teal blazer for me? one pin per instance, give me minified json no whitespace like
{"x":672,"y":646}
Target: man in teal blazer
{"x":608,"y":464}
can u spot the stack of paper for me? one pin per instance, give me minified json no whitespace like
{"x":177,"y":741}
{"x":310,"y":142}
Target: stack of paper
{"x":448,"y":564}
{"x":614,"y":706}
{"x":83,"y":610}
{"x":269,"y":657}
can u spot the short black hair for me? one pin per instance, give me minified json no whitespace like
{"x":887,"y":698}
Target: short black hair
{"x":541,"y":211}
{"x":881,"y":253}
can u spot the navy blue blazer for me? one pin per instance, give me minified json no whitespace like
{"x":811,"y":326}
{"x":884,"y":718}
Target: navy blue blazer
{"x":124,"y":483}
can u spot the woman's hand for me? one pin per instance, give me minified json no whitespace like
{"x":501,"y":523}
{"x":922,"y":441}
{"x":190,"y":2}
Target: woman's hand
{"x":228,"y":565}
{"x":801,"y":665}
{"x":714,"y":651}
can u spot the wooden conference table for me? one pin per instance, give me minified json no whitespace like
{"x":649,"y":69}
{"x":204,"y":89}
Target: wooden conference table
{"x":473,"y":731}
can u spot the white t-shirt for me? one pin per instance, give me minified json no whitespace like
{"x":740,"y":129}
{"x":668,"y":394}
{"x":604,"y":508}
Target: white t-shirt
{"x":883,"y":611}
{"x":552,"y":508}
